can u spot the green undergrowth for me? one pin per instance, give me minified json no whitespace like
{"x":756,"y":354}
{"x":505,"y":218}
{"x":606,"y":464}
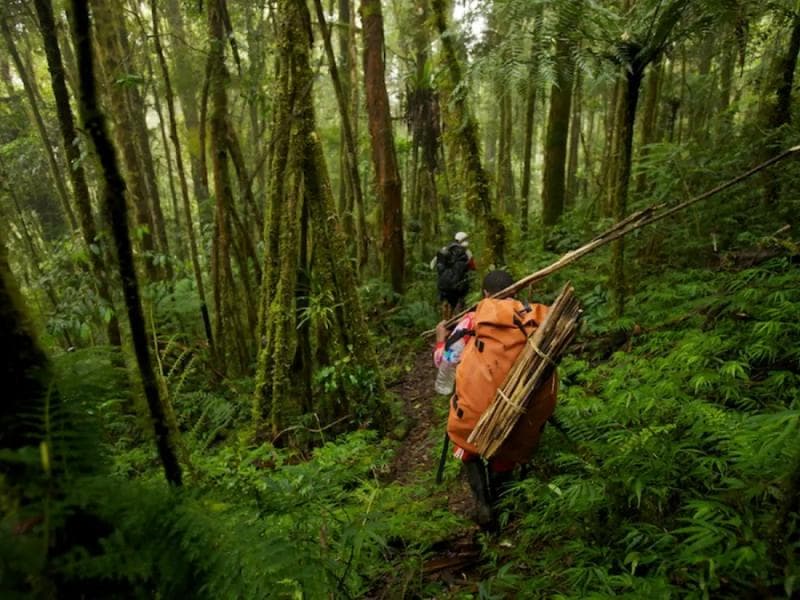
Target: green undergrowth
{"x":667,"y":475}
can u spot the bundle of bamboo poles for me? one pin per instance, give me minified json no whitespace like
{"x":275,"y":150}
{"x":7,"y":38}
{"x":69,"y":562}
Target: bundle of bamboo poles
{"x":533,"y":366}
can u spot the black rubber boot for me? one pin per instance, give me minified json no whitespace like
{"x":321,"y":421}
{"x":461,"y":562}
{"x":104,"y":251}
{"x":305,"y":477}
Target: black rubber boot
{"x":476,"y":476}
{"x":499,"y":484}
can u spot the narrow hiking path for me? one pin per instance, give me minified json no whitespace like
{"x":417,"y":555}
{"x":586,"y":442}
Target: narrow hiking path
{"x":454,"y":561}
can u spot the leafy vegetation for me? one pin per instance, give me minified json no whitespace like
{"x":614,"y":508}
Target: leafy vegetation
{"x":234,"y":305}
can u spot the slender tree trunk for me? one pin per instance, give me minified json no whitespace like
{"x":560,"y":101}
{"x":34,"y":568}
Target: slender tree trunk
{"x":179,"y":167}
{"x":467,"y":135}
{"x":302,"y":365}
{"x":34,"y":254}
{"x":351,"y":151}
{"x":574,"y":142}
{"x":625,"y":123}
{"x":505,"y":174}
{"x":726,"y":73}
{"x":384,"y":157}
{"x":114,"y":198}
{"x":700,"y":113}
{"x":346,"y":200}
{"x":137,"y":110}
{"x":113,"y":67}
{"x":649,"y":118}
{"x":80,"y":188}
{"x":778,"y":111}
{"x":187,"y":77}
{"x":557,"y":127}
{"x":530,"y":114}
{"x":217,"y":82}
{"x":36,"y":117}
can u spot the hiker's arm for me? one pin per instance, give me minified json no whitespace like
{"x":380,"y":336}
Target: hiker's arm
{"x":451,"y":353}
{"x":441,"y":337}
{"x":471,"y":262}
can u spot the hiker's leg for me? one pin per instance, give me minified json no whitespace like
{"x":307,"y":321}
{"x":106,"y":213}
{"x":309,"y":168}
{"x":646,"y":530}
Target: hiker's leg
{"x":447,"y":311}
{"x":501,"y":475}
{"x":478,"y":483}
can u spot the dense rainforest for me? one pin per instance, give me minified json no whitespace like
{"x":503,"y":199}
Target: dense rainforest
{"x":218,"y":226}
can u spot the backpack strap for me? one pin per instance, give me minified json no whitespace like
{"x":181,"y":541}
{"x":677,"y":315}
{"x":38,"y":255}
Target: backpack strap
{"x":461,"y":333}
{"x":521,"y":326}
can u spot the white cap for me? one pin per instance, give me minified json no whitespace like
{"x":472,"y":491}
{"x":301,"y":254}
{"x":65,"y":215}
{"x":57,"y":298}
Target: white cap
{"x":461,"y":238}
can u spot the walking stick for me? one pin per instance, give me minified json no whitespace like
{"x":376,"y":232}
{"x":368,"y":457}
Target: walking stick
{"x":440,"y":470}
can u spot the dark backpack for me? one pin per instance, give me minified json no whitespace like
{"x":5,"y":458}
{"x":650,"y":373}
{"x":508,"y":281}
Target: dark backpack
{"x":452,"y":264}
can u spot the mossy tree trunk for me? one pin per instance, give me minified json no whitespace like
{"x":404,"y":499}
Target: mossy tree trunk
{"x":635,"y":59}
{"x":229,"y":334}
{"x":423,"y":118}
{"x":530,"y":114}
{"x":505,"y":175}
{"x":181,"y":170}
{"x":299,"y":183}
{"x":384,"y":157}
{"x":186,"y":78}
{"x":80,"y":187}
{"x":650,"y":116}
{"x":114,"y":77}
{"x":352,"y":196}
{"x":570,"y":196}
{"x":778,"y":104}
{"x":466,"y":129}
{"x":114,"y":200}
{"x":555,"y":151}
{"x":38,"y":122}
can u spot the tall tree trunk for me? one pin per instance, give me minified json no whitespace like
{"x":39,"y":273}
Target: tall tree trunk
{"x":224,"y":287}
{"x":726,"y":73}
{"x":650,"y":116}
{"x":114,"y":72}
{"x":114,"y":198}
{"x":625,"y":123}
{"x":505,"y":175}
{"x":342,"y":91}
{"x":137,"y":111}
{"x":80,"y":188}
{"x":346,"y":200}
{"x":778,"y":110}
{"x":187,"y":78}
{"x":384,"y":157}
{"x":557,"y":128}
{"x":574,"y":142}
{"x":466,"y":130}
{"x":423,"y":118}
{"x":179,"y":167}
{"x":699,"y":115}
{"x":609,"y":160}
{"x":36,"y":117}
{"x":530,"y":114}
{"x":299,"y":175}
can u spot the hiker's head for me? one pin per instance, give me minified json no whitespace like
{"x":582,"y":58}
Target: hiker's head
{"x":496,"y":281}
{"x":462,"y":238}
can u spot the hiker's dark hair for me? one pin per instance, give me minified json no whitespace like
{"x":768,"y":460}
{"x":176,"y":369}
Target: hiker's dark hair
{"x":496,"y":281}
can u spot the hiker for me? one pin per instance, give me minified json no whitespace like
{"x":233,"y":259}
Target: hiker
{"x":484,"y":345}
{"x":453,"y":263}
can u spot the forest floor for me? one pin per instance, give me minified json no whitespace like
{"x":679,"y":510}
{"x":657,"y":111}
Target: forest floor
{"x":454,"y":562}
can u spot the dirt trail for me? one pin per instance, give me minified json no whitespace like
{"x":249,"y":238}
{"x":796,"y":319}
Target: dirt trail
{"x":454,"y":561}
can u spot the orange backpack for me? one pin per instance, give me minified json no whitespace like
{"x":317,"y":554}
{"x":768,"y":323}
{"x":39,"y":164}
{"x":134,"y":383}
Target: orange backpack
{"x":501,"y":329}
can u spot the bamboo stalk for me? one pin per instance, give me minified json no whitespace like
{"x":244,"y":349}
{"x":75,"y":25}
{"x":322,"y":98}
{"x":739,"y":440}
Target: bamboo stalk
{"x":532,"y":368}
{"x":635,"y":221}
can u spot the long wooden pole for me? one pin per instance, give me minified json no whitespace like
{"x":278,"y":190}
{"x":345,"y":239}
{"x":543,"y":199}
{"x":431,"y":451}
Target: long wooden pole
{"x":635,"y":221}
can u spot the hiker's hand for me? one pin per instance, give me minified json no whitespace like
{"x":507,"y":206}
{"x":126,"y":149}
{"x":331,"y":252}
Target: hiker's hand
{"x":442,"y":331}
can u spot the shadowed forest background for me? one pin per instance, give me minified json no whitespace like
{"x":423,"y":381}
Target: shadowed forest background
{"x":216,"y":224}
